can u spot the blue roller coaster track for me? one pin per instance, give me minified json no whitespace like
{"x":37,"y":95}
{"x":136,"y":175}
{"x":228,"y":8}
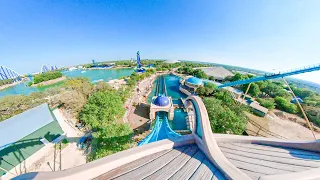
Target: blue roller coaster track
{"x":7,"y":73}
{"x":44,"y":68}
{"x":273,"y":76}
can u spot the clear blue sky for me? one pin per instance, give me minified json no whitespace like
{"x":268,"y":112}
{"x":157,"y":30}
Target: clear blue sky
{"x":259,"y":34}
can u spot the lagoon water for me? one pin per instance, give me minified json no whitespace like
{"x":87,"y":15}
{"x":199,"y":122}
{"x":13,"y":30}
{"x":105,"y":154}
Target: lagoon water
{"x":172,"y":87}
{"x":93,"y":75}
{"x":100,"y":74}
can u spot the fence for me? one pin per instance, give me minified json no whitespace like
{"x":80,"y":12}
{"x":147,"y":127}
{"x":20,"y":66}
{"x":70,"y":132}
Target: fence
{"x":264,"y":130}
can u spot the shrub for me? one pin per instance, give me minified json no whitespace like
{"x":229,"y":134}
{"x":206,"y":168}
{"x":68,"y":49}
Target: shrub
{"x":285,"y":105}
{"x":267,"y":103}
{"x":211,"y":78}
{"x":47,"y":76}
{"x":224,"y":117}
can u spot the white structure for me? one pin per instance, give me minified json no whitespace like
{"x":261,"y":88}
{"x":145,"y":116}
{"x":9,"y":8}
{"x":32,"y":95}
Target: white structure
{"x":172,"y":61}
{"x":218,"y":72}
{"x":190,"y":85}
{"x":161,"y":103}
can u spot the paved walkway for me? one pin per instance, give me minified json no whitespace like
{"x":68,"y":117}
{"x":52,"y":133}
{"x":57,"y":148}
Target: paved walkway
{"x":67,"y":127}
{"x":71,"y":156}
{"x":145,"y":87}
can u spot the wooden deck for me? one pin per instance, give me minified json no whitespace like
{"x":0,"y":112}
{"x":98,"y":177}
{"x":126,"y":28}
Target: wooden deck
{"x":186,"y":162}
{"x":259,"y":160}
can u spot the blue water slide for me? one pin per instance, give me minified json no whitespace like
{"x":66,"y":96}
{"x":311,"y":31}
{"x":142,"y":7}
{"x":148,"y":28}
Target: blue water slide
{"x":161,"y":130}
{"x":170,"y":133}
{"x":152,"y":134}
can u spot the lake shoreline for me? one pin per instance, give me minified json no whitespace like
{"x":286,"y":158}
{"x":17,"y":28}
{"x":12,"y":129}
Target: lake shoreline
{"x":9,"y":85}
{"x":106,"y":68}
{"x":52,"y":81}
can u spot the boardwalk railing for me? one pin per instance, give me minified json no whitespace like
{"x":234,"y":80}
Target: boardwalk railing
{"x":262,"y":129}
{"x":206,"y":142}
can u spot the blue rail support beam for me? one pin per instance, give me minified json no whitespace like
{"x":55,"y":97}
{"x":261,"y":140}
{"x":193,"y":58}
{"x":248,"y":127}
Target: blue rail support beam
{"x":11,"y":74}
{"x":4,"y":73}
{"x":272,"y":76}
{"x":7,"y":73}
{"x":2,"y":76}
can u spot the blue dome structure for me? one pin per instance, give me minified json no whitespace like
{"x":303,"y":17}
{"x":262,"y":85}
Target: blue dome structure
{"x":162,"y":101}
{"x":293,"y":100}
{"x":195,"y":81}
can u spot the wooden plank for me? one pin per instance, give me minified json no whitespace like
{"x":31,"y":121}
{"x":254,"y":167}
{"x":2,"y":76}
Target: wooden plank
{"x":153,"y":166}
{"x":218,"y":176}
{"x":205,"y":171}
{"x":257,"y":168}
{"x":253,"y":175}
{"x":190,"y":167}
{"x":313,"y":155}
{"x":167,"y":171}
{"x":283,"y":160}
{"x":271,"y":164}
{"x":290,"y":154}
{"x":131,"y":166}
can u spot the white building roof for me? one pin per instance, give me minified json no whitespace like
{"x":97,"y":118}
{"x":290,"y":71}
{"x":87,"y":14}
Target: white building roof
{"x":21,"y":125}
{"x":218,"y":72}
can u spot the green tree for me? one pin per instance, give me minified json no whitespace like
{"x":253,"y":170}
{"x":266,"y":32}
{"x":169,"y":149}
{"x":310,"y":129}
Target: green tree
{"x":46,"y":76}
{"x":267,"y":103}
{"x":211,"y":78}
{"x":313,"y":114}
{"x":285,"y":105}
{"x":225,"y":96}
{"x":13,"y":105}
{"x":101,"y":114}
{"x":254,"y":89}
{"x":81,"y":85}
{"x":199,"y":73}
{"x":239,"y":76}
{"x":303,"y":93}
{"x":151,"y":70}
{"x":5,"y":81}
{"x":274,"y":90}
{"x":110,"y":139}
{"x":201,"y":91}
{"x":207,"y":90}
{"x":312,"y":100}
{"x":102,"y":108}
{"x":224,"y":118}
{"x":71,"y":100}
{"x":211,"y":86}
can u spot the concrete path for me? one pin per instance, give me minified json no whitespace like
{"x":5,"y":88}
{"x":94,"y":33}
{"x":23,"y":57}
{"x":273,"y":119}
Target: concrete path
{"x":71,"y":156}
{"x":67,"y":127}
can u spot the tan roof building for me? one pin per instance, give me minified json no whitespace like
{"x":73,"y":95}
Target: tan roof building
{"x":218,"y":72}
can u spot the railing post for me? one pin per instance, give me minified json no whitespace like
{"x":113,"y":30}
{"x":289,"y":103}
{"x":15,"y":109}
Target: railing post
{"x":301,"y":108}
{"x":258,"y":131}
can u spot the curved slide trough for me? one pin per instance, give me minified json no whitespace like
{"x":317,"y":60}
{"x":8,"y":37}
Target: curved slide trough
{"x":160,"y":131}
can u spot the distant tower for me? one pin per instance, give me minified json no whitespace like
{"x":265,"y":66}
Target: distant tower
{"x":139,"y":65}
{"x":138,"y":60}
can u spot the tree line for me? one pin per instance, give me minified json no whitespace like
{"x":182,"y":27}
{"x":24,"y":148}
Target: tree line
{"x":5,"y":81}
{"x":46,"y":77}
{"x":275,"y":94}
